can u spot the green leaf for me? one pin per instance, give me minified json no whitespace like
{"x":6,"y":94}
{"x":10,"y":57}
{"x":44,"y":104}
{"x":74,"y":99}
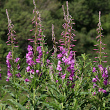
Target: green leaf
{"x":18,"y":85}
{"x":11,"y":94}
{"x":52,"y":105}
{"x":18,"y":104}
{"x":84,"y":93}
{"x":10,"y":108}
{"x":54,"y":89}
{"x":87,"y":64}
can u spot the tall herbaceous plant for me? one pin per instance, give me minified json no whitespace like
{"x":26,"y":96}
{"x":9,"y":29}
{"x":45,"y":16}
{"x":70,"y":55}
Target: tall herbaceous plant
{"x":54,"y":79}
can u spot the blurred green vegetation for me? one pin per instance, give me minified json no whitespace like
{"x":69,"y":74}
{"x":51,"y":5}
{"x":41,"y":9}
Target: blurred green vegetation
{"x":84,"y":13}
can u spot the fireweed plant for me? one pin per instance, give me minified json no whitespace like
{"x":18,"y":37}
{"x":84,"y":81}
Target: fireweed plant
{"x":58,"y":80}
{"x":101,"y":74}
{"x":13,"y":65}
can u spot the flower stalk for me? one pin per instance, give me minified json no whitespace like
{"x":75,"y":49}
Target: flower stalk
{"x":100,"y":44}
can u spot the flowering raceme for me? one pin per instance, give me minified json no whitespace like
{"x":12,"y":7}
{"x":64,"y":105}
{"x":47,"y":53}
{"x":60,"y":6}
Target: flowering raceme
{"x":8,"y":57}
{"x":69,"y":62}
{"x":29,"y":60}
{"x":29,"y":56}
{"x":100,"y":48}
{"x":97,"y":80}
{"x":9,"y":69}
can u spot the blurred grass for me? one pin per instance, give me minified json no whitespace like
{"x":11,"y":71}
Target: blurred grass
{"x":3,"y":74}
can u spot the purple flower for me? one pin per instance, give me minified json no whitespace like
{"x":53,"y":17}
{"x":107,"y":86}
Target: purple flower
{"x":18,"y":66}
{"x":31,"y":62}
{"x":59,"y":68}
{"x":70,"y":78}
{"x":7,"y":79}
{"x":40,"y":74}
{"x":73,"y":86}
{"x":72,"y":61}
{"x":94,"y":69}
{"x":63,"y":59}
{"x":9,"y":56}
{"x":93,"y":93}
{"x":18,"y":75}
{"x":104,"y":75}
{"x":59,"y":55}
{"x":68,"y":83}
{"x":48,"y":61}
{"x":100,"y":67}
{"x":39,"y":49}
{"x":100,"y":90}
{"x":0,"y":76}
{"x":38,"y":60}
{"x":32,"y":71}
{"x":104,"y":91}
{"x":105,"y":82}
{"x":29,"y":55}
{"x":66,"y":61}
{"x":63,"y":76}
{"x":8,"y":65}
{"x":105,"y":71}
{"x":37,"y":71}
{"x":9,"y":74}
{"x":27,"y":80}
{"x":56,"y":81}
{"x":28,"y":68}
{"x":59,"y":62}
{"x":94,"y":85}
{"x":72,"y":67}
{"x":29,"y":48}
{"x":97,"y":77}
{"x":17,"y":59}
{"x":61,"y":48}
{"x":60,"y":73}
{"x":94,"y":80}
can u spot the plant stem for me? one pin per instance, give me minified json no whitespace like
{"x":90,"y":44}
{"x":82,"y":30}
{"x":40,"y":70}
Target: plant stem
{"x":33,"y":98}
{"x":12,"y":46}
{"x":35,"y":36}
{"x":100,"y":56}
{"x":65,"y":34}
